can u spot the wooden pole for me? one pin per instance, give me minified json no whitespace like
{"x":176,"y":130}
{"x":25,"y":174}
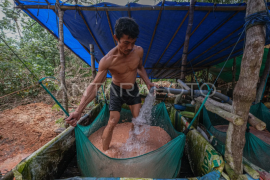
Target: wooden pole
{"x":263,"y":79}
{"x":185,"y":51}
{"x":92,"y":61}
{"x":207,"y":74}
{"x":93,"y":69}
{"x":233,"y":73}
{"x":62,"y":57}
{"x":245,"y":90}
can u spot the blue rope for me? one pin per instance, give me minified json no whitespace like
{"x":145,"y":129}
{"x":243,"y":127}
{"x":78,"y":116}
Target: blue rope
{"x":262,"y":17}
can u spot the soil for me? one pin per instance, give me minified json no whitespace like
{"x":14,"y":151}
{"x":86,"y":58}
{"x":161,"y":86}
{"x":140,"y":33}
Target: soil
{"x":156,"y":138}
{"x":263,"y":135}
{"x":23,"y":130}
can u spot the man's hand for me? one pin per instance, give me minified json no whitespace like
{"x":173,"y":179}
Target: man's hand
{"x":149,"y":85}
{"x":73,"y":118}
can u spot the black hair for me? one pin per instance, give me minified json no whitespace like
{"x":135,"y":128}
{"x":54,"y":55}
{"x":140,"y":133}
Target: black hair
{"x":127,"y":26}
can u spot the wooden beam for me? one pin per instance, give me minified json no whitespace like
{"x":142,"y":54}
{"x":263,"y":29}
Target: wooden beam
{"x":209,"y":35}
{"x":183,"y":43}
{"x":217,"y":53}
{"x":216,"y":60}
{"x":129,"y":14}
{"x":91,"y":32}
{"x":217,"y":43}
{"x":180,"y":25}
{"x":186,"y":43}
{"x":233,"y":73}
{"x":110,"y":25}
{"x":93,"y":61}
{"x":146,"y":8}
{"x":154,"y":32}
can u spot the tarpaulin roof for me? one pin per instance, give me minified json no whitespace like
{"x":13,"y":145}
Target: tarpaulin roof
{"x":226,"y":74}
{"x":216,"y":28}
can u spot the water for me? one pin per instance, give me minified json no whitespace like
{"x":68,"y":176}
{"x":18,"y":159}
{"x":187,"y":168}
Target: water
{"x":139,"y":135}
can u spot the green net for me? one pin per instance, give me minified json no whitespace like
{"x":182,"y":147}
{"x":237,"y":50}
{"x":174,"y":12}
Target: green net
{"x":255,"y":150}
{"x":164,"y":162}
{"x":226,"y":74}
{"x":261,"y":112}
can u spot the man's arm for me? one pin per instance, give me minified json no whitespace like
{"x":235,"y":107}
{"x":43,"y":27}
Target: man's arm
{"x":90,"y":92}
{"x":142,"y":72}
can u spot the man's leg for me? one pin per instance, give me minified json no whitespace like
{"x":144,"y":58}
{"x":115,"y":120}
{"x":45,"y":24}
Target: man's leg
{"x":108,"y":131}
{"x":135,"y":109}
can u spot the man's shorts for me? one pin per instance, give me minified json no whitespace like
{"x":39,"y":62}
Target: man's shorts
{"x":119,"y":96}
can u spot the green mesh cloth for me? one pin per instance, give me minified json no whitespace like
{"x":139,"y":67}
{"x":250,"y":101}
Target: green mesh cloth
{"x":255,"y":150}
{"x":164,"y":162}
{"x":226,"y":74}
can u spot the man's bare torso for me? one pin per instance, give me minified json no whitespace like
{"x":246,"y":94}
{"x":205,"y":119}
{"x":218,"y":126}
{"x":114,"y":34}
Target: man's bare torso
{"x":124,"y":67}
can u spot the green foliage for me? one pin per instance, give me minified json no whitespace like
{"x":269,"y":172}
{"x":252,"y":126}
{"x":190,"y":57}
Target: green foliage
{"x":56,"y":107}
{"x":60,"y":121}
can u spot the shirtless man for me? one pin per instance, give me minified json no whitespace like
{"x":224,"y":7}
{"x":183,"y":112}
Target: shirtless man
{"x":124,"y":62}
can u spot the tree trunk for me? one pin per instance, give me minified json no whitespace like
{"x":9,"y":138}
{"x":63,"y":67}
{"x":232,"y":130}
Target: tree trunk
{"x":233,"y":73}
{"x":245,"y":90}
{"x":62,"y":59}
{"x":185,"y":51}
{"x":263,"y":79}
{"x":93,"y":69}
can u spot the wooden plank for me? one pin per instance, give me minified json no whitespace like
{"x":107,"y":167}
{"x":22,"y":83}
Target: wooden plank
{"x":91,"y":32}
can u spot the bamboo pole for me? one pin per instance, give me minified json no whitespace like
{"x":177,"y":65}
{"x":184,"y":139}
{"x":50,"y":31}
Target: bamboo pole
{"x":186,"y":44}
{"x":62,"y":57}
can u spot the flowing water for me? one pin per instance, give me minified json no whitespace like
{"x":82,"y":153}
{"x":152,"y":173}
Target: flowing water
{"x":139,"y":135}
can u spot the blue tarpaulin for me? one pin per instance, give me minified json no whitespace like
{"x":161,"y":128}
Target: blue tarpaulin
{"x":214,"y":33}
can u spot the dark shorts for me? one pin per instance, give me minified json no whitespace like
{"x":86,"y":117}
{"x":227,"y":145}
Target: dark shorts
{"x":119,"y":96}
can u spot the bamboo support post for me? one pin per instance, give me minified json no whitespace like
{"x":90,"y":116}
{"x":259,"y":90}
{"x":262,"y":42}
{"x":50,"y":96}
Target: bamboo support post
{"x":233,"y":73}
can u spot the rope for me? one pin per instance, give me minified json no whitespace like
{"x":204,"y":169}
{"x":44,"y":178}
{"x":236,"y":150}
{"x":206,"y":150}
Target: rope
{"x":19,"y":58}
{"x":262,"y":17}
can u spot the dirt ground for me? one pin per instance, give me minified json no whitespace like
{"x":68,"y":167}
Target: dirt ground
{"x":23,"y":130}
